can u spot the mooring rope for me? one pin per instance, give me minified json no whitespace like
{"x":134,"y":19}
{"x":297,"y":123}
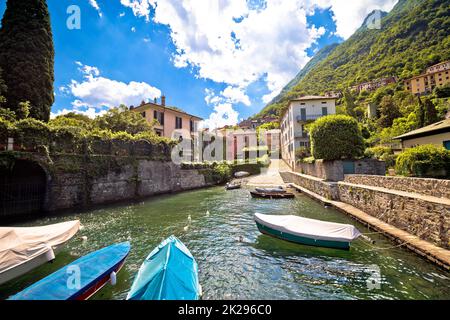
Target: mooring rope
{"x":374,"y":248}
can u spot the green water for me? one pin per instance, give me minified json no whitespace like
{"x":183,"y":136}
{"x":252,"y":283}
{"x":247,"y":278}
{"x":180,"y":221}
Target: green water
{"x":258,"y":266}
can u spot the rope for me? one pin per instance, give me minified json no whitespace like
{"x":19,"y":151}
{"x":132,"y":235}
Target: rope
{"x":374,"y":248}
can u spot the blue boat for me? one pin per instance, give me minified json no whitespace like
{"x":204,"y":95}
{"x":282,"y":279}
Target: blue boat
{"x":170,"y":272}
{"x":80,"y":279}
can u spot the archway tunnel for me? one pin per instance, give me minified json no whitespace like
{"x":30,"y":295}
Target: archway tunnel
{"x":22,"y":189}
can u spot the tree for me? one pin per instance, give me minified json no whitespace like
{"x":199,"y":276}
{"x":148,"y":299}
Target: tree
{"x":431,"y":114}
{"x":122,"y":119}
{"x":2,"y":90}
{"x":389,"y":111}
{"x":349,"y":103}
{"x":27,"y":56}
{"x":336,"y":137}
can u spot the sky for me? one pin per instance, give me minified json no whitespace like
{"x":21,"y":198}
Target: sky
{"x":222,"y":60}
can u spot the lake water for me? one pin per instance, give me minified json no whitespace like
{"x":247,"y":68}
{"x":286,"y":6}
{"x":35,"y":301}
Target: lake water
{"x":258,"y":266}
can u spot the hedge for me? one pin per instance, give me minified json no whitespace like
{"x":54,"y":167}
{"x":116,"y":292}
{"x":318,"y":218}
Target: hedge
{"x":426,"y":161}
{"x":336,"y":137}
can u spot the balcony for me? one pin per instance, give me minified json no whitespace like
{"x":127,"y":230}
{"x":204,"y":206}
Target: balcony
{"x":301,"y":135}
{"x":309,"y":117}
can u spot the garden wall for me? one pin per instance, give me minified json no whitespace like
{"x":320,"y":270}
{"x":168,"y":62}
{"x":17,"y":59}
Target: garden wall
{"x":334,"y":170}
{"x":433,"y":187}
{"x":429,"y":220}
{"x":327,"y":190}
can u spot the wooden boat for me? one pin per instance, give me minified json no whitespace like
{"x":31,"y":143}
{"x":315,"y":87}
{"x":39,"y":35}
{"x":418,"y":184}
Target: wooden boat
{"x":272,"y":195}
{"x":80,"y":279}
{"x":24,"y":248}
{"x":170,"y":272}
{"x":307,"y":231}
{"x":233,"y":186}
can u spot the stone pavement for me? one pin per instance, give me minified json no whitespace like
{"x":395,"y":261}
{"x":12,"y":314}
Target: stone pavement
{"x":270,"y":176}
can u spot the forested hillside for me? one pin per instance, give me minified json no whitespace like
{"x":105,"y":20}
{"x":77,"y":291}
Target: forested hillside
{"x":413,"y":36}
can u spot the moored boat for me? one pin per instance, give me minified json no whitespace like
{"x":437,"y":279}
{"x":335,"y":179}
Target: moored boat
{"x":233,"y":186}
{"x":307,"y":231}
{"x":272,"y":195}
{"x":24,"y":248}
{"x":270,"y":190}
{"x":170,"y":272}
{"x":241,"y":174}
{"x":80,"y":279}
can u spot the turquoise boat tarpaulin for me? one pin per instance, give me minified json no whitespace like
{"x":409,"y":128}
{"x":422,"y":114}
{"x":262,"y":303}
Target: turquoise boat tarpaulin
{"x":170,"y":272}
{"x":61,"y":285}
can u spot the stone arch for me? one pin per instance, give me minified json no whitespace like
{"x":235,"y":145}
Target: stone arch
{"x":23,"y":189}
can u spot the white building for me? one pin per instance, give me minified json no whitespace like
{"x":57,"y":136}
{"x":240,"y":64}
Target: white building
{"x":300,"y":112}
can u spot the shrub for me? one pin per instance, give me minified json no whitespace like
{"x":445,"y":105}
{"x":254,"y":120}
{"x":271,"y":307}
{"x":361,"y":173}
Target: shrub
{"x":302,"y":153}
{"x":424,"y":161}
{"x":382,"y":153}
{"x":336,"y":137}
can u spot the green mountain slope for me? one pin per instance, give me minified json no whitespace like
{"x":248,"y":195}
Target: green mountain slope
{"x":413,"y":36}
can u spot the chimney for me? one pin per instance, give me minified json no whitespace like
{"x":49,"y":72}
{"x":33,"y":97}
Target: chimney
{"x":155,"y":100}
{"x":163,"y":101}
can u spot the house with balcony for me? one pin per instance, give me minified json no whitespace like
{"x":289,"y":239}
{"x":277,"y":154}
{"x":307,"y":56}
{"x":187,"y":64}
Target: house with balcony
{"x":300,"y":112}
{"x":437,"y":75}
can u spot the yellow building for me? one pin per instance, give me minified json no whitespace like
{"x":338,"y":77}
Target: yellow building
{"x":435,"y":76}
{"x":437,"y":133}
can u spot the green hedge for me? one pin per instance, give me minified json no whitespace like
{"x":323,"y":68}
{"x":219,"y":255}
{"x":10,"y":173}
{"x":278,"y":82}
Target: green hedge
{"x":426,"y":161}
{"x":336,"y":137}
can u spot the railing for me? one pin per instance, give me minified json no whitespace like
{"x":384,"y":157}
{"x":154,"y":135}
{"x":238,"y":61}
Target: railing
{"x":309,"y":117}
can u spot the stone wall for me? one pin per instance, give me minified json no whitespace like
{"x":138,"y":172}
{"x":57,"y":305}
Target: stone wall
{"x":334,"y":170}
{"x":428,"y":220}
{"x":432,"y":187}
{"x":326,"y":189}
{"x":80,"y":181}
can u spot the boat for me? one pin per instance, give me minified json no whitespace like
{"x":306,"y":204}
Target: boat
{"x":241,"y":174}
{"x":23,"y":249}
{"x":272,"y":195}
{"x":233,"y":186}
{"x":270,"y":190}
{"x":80,"y":279}
{"x":170,"y":272}
{"x":307,"y":231}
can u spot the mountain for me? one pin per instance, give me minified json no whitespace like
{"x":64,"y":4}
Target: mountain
{"x":413,"y":36}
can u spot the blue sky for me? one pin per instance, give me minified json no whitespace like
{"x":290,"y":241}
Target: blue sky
{"x":221,"y":60}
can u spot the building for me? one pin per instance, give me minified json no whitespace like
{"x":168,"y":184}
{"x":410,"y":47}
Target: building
{"x":373,"y":85}
{"x":168,"y":119}
{"x":252,"y":124}
{"x":435,"y":76}
{"x":300,"y":112}
{"x":437,"y":134}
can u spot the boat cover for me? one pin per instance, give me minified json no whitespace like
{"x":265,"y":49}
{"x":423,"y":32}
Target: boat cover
{"x":22,"y":244}
{"x":241,"y":174}
{"x":309,"y":228}
{"x":270,"y":190}
{"x":170,"y":272}
{"x":72,"y":280}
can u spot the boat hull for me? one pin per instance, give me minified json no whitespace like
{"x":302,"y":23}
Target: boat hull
{"x":302,"y":240}
{"x":272,"y":195}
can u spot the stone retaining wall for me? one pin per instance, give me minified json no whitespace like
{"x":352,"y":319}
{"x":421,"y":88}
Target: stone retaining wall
{"x":428,"y":220}
{"x":327,"y":190}
{"x":432,"y":187}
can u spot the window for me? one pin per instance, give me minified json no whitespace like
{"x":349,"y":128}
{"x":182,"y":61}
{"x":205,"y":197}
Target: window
{"x":324,"y":102}
{"x":191,"y":126}
{"x":178,"y":123}
{"x":143,"y":114}
{"x":324,"y":111}
{"x":159,"y":116}
{"x":302,"y":103}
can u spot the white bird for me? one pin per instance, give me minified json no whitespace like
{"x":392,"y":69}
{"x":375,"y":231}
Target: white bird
{"x":189,"y":218}
{"x":84,"y":238}
{"x":186,"y":228}
{"x":207,"y":213}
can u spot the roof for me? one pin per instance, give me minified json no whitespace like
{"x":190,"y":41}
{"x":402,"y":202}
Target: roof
{"x":173,"y":109}
{"x":435,"y":128}
{"x":307,"y":98}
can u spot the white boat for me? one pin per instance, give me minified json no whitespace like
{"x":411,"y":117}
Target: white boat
{"x":24,"y":248}
{"x":241,"y":174}
{"x":307,"y":231}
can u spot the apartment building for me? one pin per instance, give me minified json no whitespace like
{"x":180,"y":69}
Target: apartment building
{"x":373,"y":85}
{"x":300,"y":112}
{"x":435,"y":76}
{"x":169,"y":119}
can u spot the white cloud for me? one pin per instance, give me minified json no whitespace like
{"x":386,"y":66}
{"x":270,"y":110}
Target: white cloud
{"x":223,"y":115}
{"x":90,"y":112}
{"x":349,"y":15}
{"x":95,"y":5}
{"x":133,"y":29}
{"x":98,"y":92}
{"x":236,"y":95}
{"x":141,"y":8}
{"x":122,"y":14}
